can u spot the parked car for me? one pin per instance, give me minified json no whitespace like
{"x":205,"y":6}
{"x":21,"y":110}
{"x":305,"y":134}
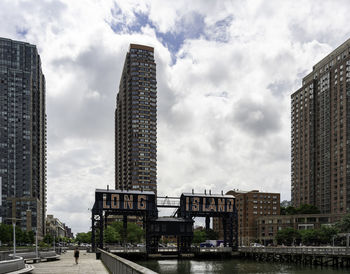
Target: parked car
{"x":256,"y":245}
{"x":206,"y":244}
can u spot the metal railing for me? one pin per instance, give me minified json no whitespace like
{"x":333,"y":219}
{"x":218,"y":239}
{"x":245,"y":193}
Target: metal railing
{"x":170,"y":249}
{"x":116,"y":264}
{"x":168,"y":202}
{"x":215,"y":249}
{"x":125,"y":249}
{"x":343,"y":251}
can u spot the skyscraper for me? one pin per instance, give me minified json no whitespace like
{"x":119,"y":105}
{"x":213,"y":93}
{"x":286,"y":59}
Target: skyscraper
{"x":321,"y":135}
{"x":22,"y":136}
{"x":136,"y":122}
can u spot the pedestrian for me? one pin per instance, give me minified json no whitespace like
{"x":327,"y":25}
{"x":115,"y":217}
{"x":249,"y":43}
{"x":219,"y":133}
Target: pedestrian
{"x":76,"y":255}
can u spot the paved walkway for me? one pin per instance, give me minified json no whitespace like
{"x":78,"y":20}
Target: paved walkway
{"x":87,"y":265}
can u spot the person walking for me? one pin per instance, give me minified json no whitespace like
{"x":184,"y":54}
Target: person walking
{"x":76,"y":255}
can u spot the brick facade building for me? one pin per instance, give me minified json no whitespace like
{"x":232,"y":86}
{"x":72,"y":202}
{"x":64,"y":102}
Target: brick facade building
{"x":268,"y":226}
{"x":250,"y":206}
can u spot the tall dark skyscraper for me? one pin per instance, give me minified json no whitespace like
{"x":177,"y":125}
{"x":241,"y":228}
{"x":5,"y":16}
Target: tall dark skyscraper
{"x":321,"y":135}
{"x":136,"y":122}
{"x":22,"y":136}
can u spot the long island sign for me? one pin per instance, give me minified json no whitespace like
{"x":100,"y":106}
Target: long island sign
{"x":122,"y":200}
{"x":207,"y":203}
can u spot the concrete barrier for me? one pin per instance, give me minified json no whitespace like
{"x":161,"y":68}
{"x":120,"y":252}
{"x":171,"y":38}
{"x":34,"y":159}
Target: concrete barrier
{"x":27,"y":256}
{"x":49,"y":255}
{"x":116,"y":264}
{"x":16,"y":265}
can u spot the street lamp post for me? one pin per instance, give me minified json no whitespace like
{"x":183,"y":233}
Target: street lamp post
{"x":14,"y":238}
{"x":14,"y":233}
{"x":36,"y":242}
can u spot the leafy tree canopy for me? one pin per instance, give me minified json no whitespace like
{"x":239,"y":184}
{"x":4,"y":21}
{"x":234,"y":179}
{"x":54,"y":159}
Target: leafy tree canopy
{"x":5,"y":233}
{"x":211,"y":234}
{"x":48,"y":239}
{"x":302,"y":209}
{"x":83,"y":237}
{"x":324,"y":235}
{"x":287,"y":236}
{"x":199,"y":236}
{"x":344,"y":224}
{"x":111,"y":235}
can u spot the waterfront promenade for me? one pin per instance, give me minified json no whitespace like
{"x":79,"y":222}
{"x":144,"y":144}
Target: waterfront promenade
{"x":87,"y":265}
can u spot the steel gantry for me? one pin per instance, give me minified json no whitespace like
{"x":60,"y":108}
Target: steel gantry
{"x":144,"y":204}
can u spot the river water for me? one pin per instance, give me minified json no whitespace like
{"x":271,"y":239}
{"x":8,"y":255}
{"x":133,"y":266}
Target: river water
{"x":233,"y":266}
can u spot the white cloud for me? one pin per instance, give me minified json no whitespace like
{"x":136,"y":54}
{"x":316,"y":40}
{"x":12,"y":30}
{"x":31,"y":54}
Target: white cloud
{"x":223,"y":105}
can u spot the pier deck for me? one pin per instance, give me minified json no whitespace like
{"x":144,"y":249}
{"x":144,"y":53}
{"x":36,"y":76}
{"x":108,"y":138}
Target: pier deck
{"x":87,"y":265}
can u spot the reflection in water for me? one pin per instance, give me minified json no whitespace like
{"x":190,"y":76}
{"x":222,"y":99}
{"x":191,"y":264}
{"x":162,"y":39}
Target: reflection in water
{"x":233,"y":266}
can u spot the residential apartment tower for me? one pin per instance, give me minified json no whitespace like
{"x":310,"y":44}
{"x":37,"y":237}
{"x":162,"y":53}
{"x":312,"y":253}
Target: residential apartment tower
{"x":22,"y":136}
{"x":136,"y":122}
{"x":320,"y":141}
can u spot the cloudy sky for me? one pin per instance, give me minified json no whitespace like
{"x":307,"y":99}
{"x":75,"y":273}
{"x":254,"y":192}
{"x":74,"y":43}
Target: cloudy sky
{"x":225,"y":72}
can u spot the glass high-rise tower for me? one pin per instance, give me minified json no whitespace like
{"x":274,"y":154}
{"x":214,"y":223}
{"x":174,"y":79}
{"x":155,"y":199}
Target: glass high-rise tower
{"x":22,"y":136}
{"x":136,"y":122}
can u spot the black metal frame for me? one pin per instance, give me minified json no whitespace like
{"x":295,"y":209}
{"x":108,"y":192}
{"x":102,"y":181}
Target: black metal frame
{"x":229,"y":217}
{"x":127,"y":203}
{"x":105,"y":205}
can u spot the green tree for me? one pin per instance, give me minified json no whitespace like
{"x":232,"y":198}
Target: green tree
{"x":344,"y":224}
{"x":199,"y":236}
{"x":307,"y":209}
{"x":43,"y":244}
{"x":111,"y":235}
{"x":310,"y":236}
{"x":48,"y":239}
{"x":302,"y":209}
{"x":5,"y":233}
{"x":118,"y":226}
{"x":25,"y":237}
{"x":83,"y":237}
{"x":20,"y":235}
{"x":327,"y":233}
{"x":287,"y":236}
{"x":31,"y":237}
{"x":282,"y":210}
{"x":290,"y":210}
{"x":135,"y":233}
{"x":211,"y":234}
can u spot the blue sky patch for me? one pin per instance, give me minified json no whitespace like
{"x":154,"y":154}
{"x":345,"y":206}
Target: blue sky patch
{"x":190,"y":26}
{"x":21,"y":31}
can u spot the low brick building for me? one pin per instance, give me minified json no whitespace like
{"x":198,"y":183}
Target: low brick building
{"x":268,"y":226}
{"x":250,"y":206}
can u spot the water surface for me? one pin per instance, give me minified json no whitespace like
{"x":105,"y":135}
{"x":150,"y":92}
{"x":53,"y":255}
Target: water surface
{"x":234,"y":266}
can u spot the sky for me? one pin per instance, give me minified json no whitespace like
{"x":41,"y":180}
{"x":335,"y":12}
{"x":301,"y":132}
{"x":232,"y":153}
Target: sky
{"x":225,"y":73}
